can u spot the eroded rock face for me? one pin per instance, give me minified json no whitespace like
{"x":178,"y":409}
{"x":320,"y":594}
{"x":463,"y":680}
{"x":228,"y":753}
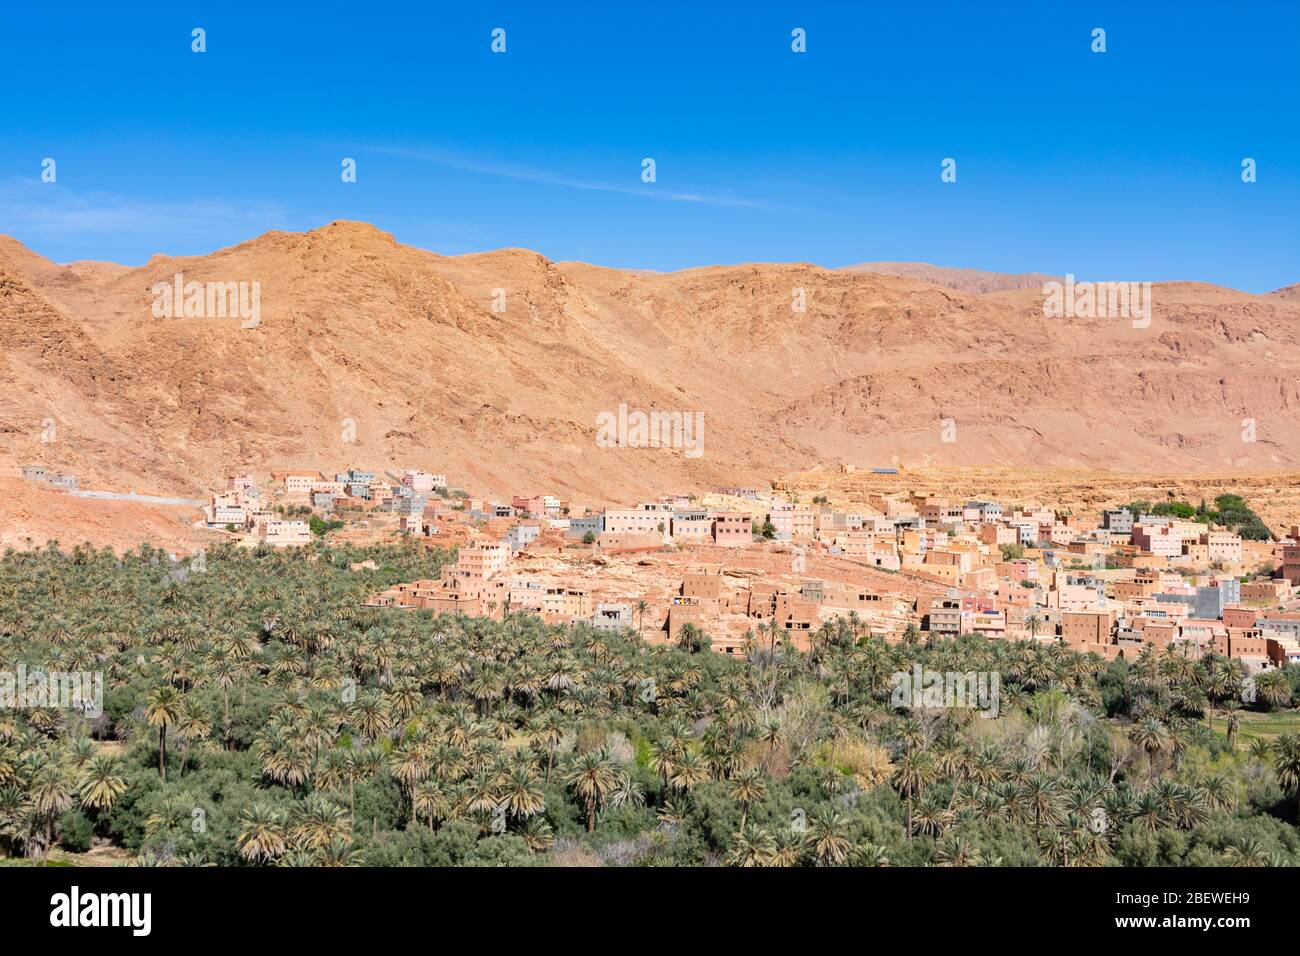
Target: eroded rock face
{"x":493,"y":368}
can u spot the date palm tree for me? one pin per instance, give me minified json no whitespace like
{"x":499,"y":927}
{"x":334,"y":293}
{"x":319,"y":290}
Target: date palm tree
{"x":1043,"y":799}
{"x":1246,"y":852}
{"x":1152,"y":736}
{"x":537,"y":834}
{"x":912,"y":774}
{"x":746,"y":788}
{"x":409,"y":764}
{"x":628,"y":793}
{"x":318,"y":822}
{"x":752,"y":847}
{"x":52,"y":791}
{"x":193,"y":724}
{"x":691,"y":638}
{"x":1274,"y":687}
{"x":663,"y":756}
{"x":549,"y":731}
{"x":431,"y":802}
{"x":826,"y":836}
{"x":101,"y":784}
{"x":161,"y":710}
{"x":521,"y":795}
{"x":869,"y":855}
{"x":593,"y":777}
{"x":338,"y":852}
{"x":688,"y":770}
{"x":261,"y":834}
{"x":1233,"y":711}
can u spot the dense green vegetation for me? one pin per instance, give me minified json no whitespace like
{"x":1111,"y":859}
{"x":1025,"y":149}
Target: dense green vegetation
{"x":1229,"y":511}
{"x":255,"y":714}
{"x":321,"y":527}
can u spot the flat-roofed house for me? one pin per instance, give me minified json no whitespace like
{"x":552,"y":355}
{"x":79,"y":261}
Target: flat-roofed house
{"x":223,"y":510}
{"x":1222,"y":546}
{"x":484,"y":559}
{"x":423,"y":481}
{"x":791,"y":520}
{"x":1159,"y":540}
{"x":1080,"y":629}
{"x":562,"y":604}
{"x":281,"y":533}
{"x":732,"y":529}
{"x":612,"y":617}
{"x":297,"y":484}
{"x":691,"y":527}
{"x":624,"y":521}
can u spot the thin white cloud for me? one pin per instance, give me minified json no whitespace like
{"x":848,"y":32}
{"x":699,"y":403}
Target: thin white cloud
{"x":532,"y":174}
{"x":29,"y":207}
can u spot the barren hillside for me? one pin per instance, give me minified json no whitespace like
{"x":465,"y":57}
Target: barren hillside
{"x":962,"y":280}
{"x":401,"y":350}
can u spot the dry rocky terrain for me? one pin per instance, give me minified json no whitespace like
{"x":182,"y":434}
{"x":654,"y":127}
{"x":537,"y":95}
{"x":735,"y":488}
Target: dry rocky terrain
{"x":374,"y":353}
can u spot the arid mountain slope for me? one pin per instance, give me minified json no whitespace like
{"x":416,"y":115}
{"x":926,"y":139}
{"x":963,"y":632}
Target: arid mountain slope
{"x":376,"y":353}
{"x":962,"y":280}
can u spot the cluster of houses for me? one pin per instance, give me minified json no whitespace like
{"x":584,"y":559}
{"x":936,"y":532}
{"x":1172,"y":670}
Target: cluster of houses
{"x":1109,"y":583}
{"x":270,"y":517}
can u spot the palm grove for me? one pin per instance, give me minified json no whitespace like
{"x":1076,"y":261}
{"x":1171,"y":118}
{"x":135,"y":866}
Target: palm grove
{"x":255,"y":714}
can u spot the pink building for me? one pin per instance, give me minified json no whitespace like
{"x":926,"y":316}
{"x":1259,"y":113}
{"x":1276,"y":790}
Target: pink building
{"x":534,"y":506}
{"x":732,"y":530}
{"x":422,"y":481}
{"x":1159,"y":540}
{"x":1222,"y":546}
{"x":692,"y":530}
{"x":636,"y":521}
{"x":792,"y":520}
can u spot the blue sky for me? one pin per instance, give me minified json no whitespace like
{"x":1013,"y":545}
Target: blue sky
{"x":1122,"y":165}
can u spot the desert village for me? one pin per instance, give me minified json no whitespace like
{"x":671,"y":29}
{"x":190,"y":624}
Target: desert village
{"x":718,"y":568}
